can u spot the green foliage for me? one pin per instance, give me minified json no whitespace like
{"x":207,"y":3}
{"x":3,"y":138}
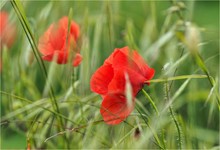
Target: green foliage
{"x":50,"y":106}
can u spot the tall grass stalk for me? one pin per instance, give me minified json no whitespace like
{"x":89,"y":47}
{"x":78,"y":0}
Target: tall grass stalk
{"x":21,"y":15}
{"x":167,"y":96}
{"x":23,"y":19}
{"x":36,"y":105}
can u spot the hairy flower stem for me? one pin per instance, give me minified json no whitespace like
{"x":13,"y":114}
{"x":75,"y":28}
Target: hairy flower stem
{"x":167,"y":96}
{"x":158,"y":143}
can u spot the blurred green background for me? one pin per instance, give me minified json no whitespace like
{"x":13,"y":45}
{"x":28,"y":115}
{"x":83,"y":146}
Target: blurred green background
{"x":146,"y":26}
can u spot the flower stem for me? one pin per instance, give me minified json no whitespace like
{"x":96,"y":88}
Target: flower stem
{"x":151,"y":101}
{"x":195,"y":76}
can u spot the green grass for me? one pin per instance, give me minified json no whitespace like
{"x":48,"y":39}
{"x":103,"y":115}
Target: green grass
{"x":52,"y":105}
{"x":12,"y":140}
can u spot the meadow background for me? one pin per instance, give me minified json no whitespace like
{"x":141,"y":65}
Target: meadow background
{"x":188,"y":109}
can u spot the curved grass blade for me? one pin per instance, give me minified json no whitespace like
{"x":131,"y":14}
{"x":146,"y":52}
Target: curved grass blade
{"x":29,"y":101}
{"x":195,"y":76}
{"x":157,"y":142}
{"x":23,"y":19}
{"x":167,"y":97}
{"x":151,"y":101}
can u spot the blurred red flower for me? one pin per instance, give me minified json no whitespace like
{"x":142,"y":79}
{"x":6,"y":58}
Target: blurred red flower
{"x":110,"y":81}
{"x":7,"y":30}
{"x":57,"y":44}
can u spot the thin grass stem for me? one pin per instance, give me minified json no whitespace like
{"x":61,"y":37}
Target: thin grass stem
{"x":195,"y":76}
{"x":23,"y":19}
{"x":151,"y":101}
{"x":158,"y":143}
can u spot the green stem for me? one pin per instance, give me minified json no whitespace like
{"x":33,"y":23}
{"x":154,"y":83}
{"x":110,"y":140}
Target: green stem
{"x":74,"y":129}
{"x":158,"y":143}
{"x":177,"y":126}
{"x":173,"y":116}
{"x":151,"y":101}
{"x":23,"y":19}
{"x":30,"y":101}
{"x":202,"y":65}
{"x":195,"y":76}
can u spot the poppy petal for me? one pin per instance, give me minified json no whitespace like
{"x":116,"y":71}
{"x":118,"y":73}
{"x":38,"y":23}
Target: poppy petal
{"x":74,"y":30}
{"x":77,"y":60}
{"x":114,"y":108}
{"x":132,"y":60}
{"x":57,"y":37}
{"x":118,"y":82}
{"x":7,"y":30}
{"x":101,"y":78}
{"x":145,"y":69}
{"x":44,"y":45}
{"x":121,"y":59}
{"x":59,"y":56}
{"x":109,"y":60}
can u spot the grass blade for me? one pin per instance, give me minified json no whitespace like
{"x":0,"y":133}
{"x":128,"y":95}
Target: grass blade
{"x":151,"y":101}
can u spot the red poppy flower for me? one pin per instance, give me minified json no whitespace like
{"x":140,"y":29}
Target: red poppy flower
{"x":57,"y":44}
{"x":110,"y":81}
{"x":114,"y":108}
{"x":7,"y":30}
